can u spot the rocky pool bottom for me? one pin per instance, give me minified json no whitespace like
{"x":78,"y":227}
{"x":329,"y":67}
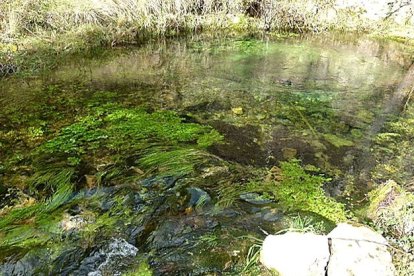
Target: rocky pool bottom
{"x":154,"y":194}
{"x":113,"y":177}
{"x":131,"y":190}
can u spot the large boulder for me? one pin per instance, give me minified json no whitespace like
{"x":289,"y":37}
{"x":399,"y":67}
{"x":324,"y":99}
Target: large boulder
{"x":358,"y":251}
{"x":346,"y":251}
{"x":296,"y":254}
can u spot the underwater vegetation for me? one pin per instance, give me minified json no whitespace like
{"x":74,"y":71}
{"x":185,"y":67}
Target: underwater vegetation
{"x":130,"y":139}
{"x":115,"y":146}
{"x":293,"y":189}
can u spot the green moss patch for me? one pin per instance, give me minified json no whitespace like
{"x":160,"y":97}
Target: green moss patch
{"x":299,"y":190}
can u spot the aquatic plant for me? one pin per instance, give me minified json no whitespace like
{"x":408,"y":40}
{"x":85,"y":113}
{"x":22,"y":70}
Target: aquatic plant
{"x":299,"y":190}
{"x":393,"y":150}
{"x":293,"y":188}
{"x":159,"y":140}
{"x":143,"y":269}
{"x":390,"y":208}
{"x":162,"y":142}
{"x":304,"y":224}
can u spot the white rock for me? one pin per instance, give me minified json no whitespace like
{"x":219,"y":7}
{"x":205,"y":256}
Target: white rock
{"x":72,"y":222}
{"x":358,"y":251}
{"x":296,"y":254}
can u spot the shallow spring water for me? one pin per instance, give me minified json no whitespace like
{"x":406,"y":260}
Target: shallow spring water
{"x":318,"y":100}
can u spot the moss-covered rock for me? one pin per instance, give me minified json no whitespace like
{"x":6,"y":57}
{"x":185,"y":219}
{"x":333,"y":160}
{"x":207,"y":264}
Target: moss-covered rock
{"x":392,"y":209}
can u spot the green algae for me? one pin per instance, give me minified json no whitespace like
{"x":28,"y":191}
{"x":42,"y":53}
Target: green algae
{"x":293,"y":188}
{"x":143,"y":269}
{"x":299,"y":190}
{"x":122,"y":132}
{"x":337,"y":141}
{"x":393,"y":150}
{"x":126,"y":131}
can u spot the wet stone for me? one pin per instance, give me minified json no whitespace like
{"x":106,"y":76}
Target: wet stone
{"x":134,"y":232}
{"x":110,"y":259}
{"x":135,"y":201}
{"x":106,"y":205}
{"x":28,"y":265}
{"x":179,"y":231}
{"x":74,"y":210}
{"x":163,"y":183}
{"x":230,"y":213}
{"x":198,"y":197}
{"x":255,"y":198}
{"x":270,"y":215}
{"x":68,"y":261}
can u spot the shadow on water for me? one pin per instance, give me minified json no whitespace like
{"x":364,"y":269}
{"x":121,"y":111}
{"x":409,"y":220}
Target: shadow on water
{"x":317,"y":99}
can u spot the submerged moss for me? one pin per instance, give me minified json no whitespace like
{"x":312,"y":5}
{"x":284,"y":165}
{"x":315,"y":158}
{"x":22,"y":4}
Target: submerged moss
{"x":338,"y":141}
{"x":126,"y":131}
{"x":394,"y":150}
{"x":162,"y":143}
{"x":299,"y":190}
{"x":293,"y":188}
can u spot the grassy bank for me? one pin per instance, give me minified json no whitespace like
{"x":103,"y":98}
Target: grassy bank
{"x":56,"y":27}
{"x":117,"y":22}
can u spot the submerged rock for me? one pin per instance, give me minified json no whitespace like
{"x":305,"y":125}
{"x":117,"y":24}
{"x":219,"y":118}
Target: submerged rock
{"x":255,"y":198}
{"x":110,"y":259}
{"x":270,"y":215}
{"x":198,"y":197}
{"x":161,"y":183}
{"x":33,"y":262}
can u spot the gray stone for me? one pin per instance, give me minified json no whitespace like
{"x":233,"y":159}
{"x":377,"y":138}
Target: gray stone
{"x":198,"y":197}
{"x":358,"y":251}
{"x":110,"y":259}
{"x":255,"y":198}
{"x":296,"y":254}
{"x":347,"y":251}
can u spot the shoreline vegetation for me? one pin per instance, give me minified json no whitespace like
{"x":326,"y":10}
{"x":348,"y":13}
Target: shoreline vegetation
{"x":31,"y":30}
